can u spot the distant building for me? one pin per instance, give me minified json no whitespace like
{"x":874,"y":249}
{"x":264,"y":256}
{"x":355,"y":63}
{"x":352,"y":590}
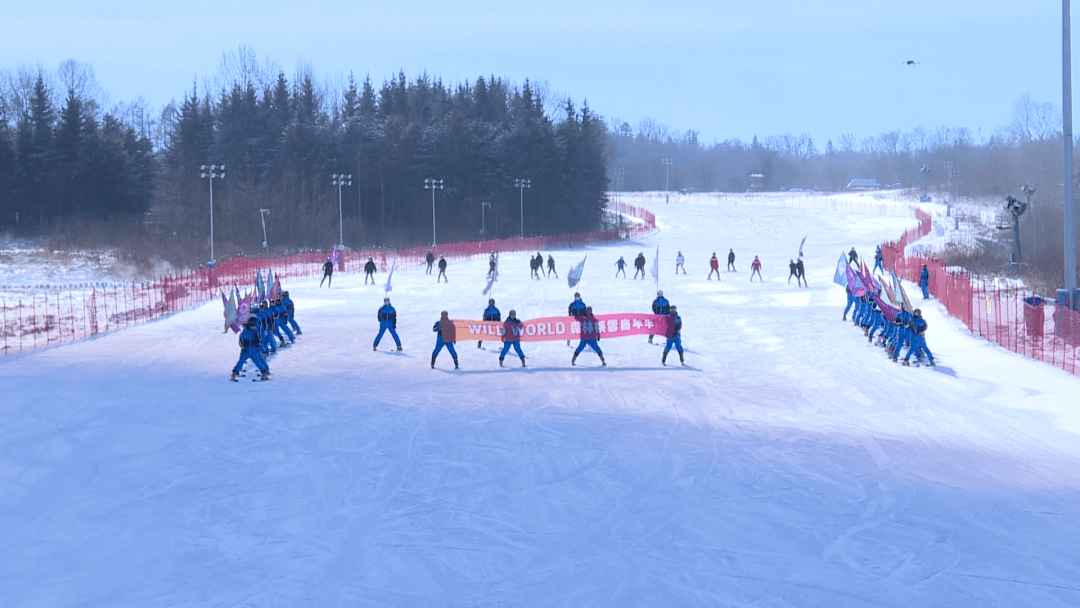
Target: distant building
{"x":757,"y":182}
{"x":863,"y":184}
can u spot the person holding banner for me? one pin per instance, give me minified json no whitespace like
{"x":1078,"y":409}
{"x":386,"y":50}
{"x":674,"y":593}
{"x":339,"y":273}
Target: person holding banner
{"x":576,"y":309}
{"x":674,"y":337}
{"x":328,"y":272}
{"x":918,"y":342}
{"x":590,"y":336}
{"x":444,"y":328}
{"x":387,"y":321}
{"x":490,"y":314}
{"x":249,"y":349}
{"x":512,"y":330}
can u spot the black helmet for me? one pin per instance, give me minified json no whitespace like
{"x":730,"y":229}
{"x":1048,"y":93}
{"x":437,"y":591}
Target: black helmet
{"x":577,"y":296}
{"x":386,"y":300}
{"x":285,"y":294}
{"x":262,"y":305}
{"x":513,"y":314}
{"x":588,"y":310}
{"x":250,"y":322}
{"x":491,"y":301}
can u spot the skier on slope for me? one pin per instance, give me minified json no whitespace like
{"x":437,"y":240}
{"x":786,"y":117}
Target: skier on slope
{"x":800,"y":271}
{"x":444,"y":330}
{"x":918,"y":338}
{"x":731,"y":260}
{"x":387,"y":322}
{"x":551,"y":267}
{"x":639,"y":265}
{"x":674,"y":336}
{"x":714,"y":266}
{"x":291,"y":309}
{"x":794,"y":272}
{"x":660,"y":306}
{"x":328,"y":273}
{"x":853,"y":257}
{"x":249,"y":349}
{"x":490,"y":314}
{"x":576,"y":309}
{"x":263,"y":320}
{"x":442,"y":270}
{"x":924,"y":282}
{"x":879,"y":259}
{"x":590,"y":336}
{"x":512,"y":331}
{"x":755,"y":268}
{"x":620,"y":266}
{"x":281,"y":321}
{"x":679,"y":260}
{"x":493,"y":263}
{"x":369,"y":271}
{"x":430,"y":260}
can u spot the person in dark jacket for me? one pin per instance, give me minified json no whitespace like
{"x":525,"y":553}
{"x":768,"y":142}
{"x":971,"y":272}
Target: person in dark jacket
{"x":853,"y":258}
{"x":536,"y":266}
{"x":249,"y":349}
{"x":430,"y":260}
{"x":660,"y":306}
{"x":444,"y":329}
{"x":924,"y":282}
{"x":800,"y":272}
{"x":291,"y":309}
{"x":879,"y":259}
{"x":328,"y":273}
{"x":490,"y":314}
{"x":731,"y":260}
{"x":590,"y":336}
{"x":512,"y":331}
{"x":442,"y":270}
{"x":674,"y":335}
{"x":639,"y":265}
{"x":576,"y":309}
{"x":620,"y":266}
{"x":551,"y":267}
{"x":793,"y":271}
{"x":387,"y":322}
{"x":369,"y":271}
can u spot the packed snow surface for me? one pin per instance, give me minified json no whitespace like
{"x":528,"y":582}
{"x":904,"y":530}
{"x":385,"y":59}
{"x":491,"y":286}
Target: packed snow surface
{"x":789,"y":464}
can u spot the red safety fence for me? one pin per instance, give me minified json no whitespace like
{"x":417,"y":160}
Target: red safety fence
{"x":1008,"y":316}
{"x":55,"y":316}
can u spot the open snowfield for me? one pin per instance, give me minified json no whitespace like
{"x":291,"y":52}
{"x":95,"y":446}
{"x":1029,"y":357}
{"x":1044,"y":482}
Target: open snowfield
{"x":790,"y":464}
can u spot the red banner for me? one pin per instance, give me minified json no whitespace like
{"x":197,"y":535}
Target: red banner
{"x":564,"y":328}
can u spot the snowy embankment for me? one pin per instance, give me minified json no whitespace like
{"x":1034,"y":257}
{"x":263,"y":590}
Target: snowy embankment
{"x":790,"y":464}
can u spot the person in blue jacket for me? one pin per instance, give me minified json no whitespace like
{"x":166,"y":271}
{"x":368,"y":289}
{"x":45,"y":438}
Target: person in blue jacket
{"x":674,"y":337}
{"x":576,"y":309}
{"x":387,"y":322}
{"x":281,"y":321}
{"x":924,"y":282}
{"x":263,"y":319}
{"x":659,"y":307}
{"x":512,"y":330}
{"x":850,"y":301}
{"x":490,"y":314}
{"x":249,"y":349}
{"x":877,"y":319}
{"x":291,"y":309}
{"x":444,"y":328}
{"x":590,"y":336}
{"x":879,"y":259}
{"x":903,"y":332}
{"x":918,"y":338}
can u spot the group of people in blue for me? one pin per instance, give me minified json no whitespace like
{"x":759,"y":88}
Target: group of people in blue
{"x":263,"y":329}
{"x":907,"y":328}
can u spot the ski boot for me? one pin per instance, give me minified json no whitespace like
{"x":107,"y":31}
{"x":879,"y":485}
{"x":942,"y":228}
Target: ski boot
{"x":374,"y":348}
{"x":478,"y":343}
{"x":399,"y":347}
{"x":573,"y":360}
{"x":931,"y":363}
{"x":907,"y":363}
{"x":455,"y":363}
{"x":681,"y":360}
{"x":298,"y":332}
{"x":433,"y":363}
{"x":663,"y":360}
{"x":602,"y":362}
{"x":523,"y":362}
{"x":234,"y":376}
{"x":501,"y":363}
{"x":265,"y":375}
{"x":650,"y":339}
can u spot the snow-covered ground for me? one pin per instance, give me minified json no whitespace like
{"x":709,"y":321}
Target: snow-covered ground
{"x":790,"y":464}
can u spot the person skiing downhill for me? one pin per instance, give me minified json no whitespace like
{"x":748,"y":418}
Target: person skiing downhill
{"x":387,"y":322}
{"x":369,"y":271}
{"x":328,"y":273}
{"x":444,"y":330}
{"x":590,"y":336}
{"x":249,"y":349}
{"x":291,"y":309}
{"x":430,"y":260}
{"x":281,"y":321}
{"x":679,"y":260}
{"x":621,"y":267}
{"x":512,"y":331}
{"x":639,"y":265}
{"x":442,"y":270}
{"x":714,"y":266}
{"x":755,"y":268}
{"x":493,"y":263}
{"x":731,"y":260}
{"x":551,"y":267}
{"x":490,"y":314}
{"x":674,"y":337}
{"x":536,"y":266}
{"x":917,"y":338}
{"x":800,"y":272}
{"x":660,"y":306}
{"x":794,"y":272}
{"x":853,"y":258}
{"x":879,"y":259}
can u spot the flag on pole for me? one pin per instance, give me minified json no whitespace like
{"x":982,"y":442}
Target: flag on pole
{"x":230,"y":311}
{"x":275,"y":291}
{"x":656,"y":268}
{"x":907,"y":303}
{"x":801,"y":246}
{"x":270,"y":285}
{"x":840,"y":277}
{"x":259,"y":286}
{"x":334,"y":255}
{"x":574,"y":276}
{"x":390,"y":277}
{"x":895,"y":281}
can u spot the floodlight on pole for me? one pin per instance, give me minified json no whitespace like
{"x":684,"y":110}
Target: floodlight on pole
{"x":521,"y":184}
{"x":483,"y":219}
{"x":339,"y":180}
{"x":667,"y":173}
{"x":212,"y":172}
{"x":1067,"y":135}
{"x":263,"y":212}
{"x":433,"y":185}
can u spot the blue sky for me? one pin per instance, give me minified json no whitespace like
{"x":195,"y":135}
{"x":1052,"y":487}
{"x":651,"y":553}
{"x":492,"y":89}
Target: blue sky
{"x":725,"y":69}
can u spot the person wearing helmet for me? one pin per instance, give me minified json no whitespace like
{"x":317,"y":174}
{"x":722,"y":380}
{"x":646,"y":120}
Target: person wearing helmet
{"x":674,"y":335}
{"x":290,"y":308}
{"x":369,"y":271}
{"x":281,"y":321}
{"x":879,"y":259}
{"x":444,"y":328}
{"x":490,"y":314}
{"x":924,"y":282}
{"x":620,"y":266}
{"x":576,"y":309}
{"x":659,"y":307}
{"x":918,"y":338}
{"x":513,"y":329}
{"x":328,"y":272}
{"x":249,"y":340}
{"x":902,"y":321}
{"x":263,"y":320}
{"x":639,"y":265}
{"x":590,"y":336}
{"x":387,"y":322}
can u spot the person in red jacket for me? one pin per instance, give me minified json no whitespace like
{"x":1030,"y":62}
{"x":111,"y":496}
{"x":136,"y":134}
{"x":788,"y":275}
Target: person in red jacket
{"x":714,"y":264}
{"x":590,"y":334}
{"x":755,"y":268}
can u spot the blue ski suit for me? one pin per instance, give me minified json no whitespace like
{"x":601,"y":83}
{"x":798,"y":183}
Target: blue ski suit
{"x":918,"y":341}
{"x":490,"y":314}
{"x":387,"y":322}
{"x":281,"y":322}
{"x":249,"y":349}
{"x":440,"y":343}
{"x":660,"y":306}
{"x":291,"y":309}
{"x":924,"y":282}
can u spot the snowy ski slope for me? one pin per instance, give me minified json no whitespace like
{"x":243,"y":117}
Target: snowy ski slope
{"x":790,"y":464}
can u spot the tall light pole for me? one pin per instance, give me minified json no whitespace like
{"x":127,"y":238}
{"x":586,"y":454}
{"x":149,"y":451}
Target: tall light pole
{"x":925,"y":198}
{"x":618,"y":201}
{"x":1067,"y":133}
{"x":521,"y":184}
{"x":433,"y":185}
{"x":212,"y":172}
{"x":667,"y":176}
{"x":483,"y":219}
{"x":262,"y":216}
{"x":339,"y":180}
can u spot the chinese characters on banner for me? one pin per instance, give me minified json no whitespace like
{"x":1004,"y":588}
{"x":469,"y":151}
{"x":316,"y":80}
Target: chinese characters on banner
{"x":565,"y":328}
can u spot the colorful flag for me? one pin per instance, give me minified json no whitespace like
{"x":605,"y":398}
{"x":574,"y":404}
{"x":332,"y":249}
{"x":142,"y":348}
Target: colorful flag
{"x":243,"y":309}
{"x":801,"y":246}
{"x":854,"y":283}
{"x":334,"y":255}
{"x":230,"y":311}
{"x":275,"y":291}
{"x":840,"y":276}
{"x":259,"y":287}
{"x":574,"y":276}
{"x":907,"y":303}
{"x":270,"y":285}
{"x":390,"y":277}
{"x":656,"y":268}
